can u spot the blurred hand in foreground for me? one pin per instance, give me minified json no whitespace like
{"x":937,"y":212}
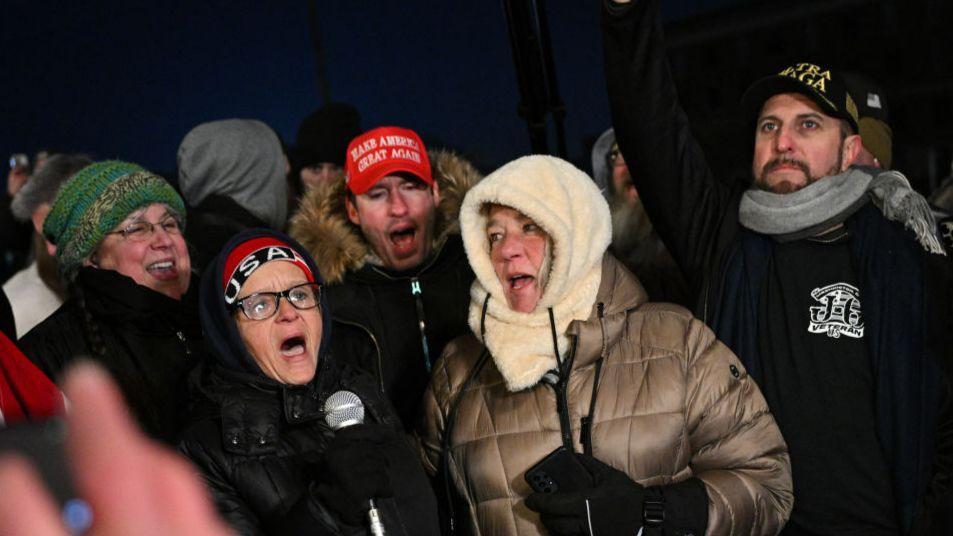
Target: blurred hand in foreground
{"x":133,"y":485}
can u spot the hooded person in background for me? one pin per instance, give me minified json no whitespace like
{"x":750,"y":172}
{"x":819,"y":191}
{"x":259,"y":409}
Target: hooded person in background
{"x":634,"y":240}
{"x":565,"y":351}
{"x":388,"y":244}
{"x":117,"y":229}
{"x":38,"y":290}
{"x":232,"y":176}
{"x":259,"y":433}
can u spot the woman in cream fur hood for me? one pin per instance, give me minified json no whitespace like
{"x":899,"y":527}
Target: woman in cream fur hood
{"x":575,"y":219}
{"x":566,"y":353}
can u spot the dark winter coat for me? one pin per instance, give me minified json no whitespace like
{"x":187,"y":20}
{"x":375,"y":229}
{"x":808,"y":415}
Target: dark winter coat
{"x":393,"y":324}
{"x":259,"y":445}
{"x":697,"y":217}
{"x":146,"y":340}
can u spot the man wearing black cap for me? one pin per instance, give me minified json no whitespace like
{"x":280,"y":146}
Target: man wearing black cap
{"x":828,"y":281}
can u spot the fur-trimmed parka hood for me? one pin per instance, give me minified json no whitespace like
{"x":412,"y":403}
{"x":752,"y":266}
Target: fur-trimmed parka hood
{"x":337,"y":245}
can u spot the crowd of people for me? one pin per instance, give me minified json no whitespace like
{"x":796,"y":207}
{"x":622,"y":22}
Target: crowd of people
{"x":643,"y":349}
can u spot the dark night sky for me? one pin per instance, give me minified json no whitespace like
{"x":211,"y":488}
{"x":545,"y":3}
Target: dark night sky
{"x":129,"y":79}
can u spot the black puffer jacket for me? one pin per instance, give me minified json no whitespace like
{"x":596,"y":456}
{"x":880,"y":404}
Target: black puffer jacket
{"x":149,"y":343}
{"x":260,"y":444}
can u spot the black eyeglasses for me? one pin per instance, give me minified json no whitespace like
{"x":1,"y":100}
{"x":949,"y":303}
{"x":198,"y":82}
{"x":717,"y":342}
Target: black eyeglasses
{"x":263,"y":305}
{"x":143,"y":230}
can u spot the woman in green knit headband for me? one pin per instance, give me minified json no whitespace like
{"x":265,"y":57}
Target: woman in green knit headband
{"x":117,"y":229}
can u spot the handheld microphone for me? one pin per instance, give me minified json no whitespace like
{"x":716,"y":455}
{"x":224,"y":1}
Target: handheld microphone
{"x":343,"y":409}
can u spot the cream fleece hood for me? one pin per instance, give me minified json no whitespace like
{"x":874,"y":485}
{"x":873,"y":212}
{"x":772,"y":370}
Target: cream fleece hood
{"x":566,"y":203}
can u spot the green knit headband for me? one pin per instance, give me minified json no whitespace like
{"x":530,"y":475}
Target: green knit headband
{"x":97,"y":199}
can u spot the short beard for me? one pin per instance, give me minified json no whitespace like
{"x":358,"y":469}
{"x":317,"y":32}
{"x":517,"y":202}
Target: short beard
{"x":630,"y":224}
{"x":786,"y":187}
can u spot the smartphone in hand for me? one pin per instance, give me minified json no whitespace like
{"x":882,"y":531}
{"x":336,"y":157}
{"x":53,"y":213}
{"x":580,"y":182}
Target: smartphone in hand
{"x":560,"y":470}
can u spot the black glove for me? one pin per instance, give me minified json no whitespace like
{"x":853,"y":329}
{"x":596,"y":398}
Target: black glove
{"x":617,"y":505}
{"x":355,"y":469}
{"x":614,"y":504}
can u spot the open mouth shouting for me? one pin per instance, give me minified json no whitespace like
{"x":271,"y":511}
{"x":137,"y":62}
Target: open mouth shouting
{"x":293,"y":346}
{"x":403,"y":239}
{"x":522,"y":291}
{"x":519,"y":282}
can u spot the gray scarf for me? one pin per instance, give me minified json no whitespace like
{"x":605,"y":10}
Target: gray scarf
{"x":831,"y":200}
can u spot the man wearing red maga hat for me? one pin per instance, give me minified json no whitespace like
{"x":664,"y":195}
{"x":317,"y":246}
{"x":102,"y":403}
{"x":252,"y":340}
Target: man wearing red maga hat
{"x":387,"y":241}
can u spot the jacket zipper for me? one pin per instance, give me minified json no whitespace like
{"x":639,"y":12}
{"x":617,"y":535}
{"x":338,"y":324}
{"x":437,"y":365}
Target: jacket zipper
{"x":417,"y":293}
{"x":380,"y":360}
{"x":705,"y":307}
{"x":562,"y":400}
{"x":188,"y":352}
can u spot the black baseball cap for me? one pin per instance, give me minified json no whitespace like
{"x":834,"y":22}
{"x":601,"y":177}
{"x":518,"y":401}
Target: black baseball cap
{"x":826,"y":87}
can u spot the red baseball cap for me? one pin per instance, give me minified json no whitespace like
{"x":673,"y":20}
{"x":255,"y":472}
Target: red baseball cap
{"x":385,"y":151}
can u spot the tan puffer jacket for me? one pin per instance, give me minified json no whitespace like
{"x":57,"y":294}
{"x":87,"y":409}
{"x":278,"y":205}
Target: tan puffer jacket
{"x":672,"y":403}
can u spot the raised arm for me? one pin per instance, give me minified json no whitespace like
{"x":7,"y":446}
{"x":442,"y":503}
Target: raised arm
{"x":689,"y":208}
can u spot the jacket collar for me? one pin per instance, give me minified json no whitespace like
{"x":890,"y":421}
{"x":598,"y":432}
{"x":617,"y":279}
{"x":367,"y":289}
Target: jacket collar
{"x":441,"y":259}
{"x":118,"y":298}
{"x":255,"y":409}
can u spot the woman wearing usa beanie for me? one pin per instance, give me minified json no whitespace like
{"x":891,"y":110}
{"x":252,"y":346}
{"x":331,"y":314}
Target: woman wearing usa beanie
{"x":259,"y":432}
{"x":117,"y":229}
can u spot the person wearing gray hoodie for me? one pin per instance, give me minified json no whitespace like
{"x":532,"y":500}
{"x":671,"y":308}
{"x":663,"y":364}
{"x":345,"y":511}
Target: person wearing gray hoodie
{"x":232,"y":176}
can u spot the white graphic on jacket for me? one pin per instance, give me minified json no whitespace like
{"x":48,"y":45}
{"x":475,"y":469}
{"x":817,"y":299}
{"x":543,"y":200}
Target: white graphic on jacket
{"x":838,"y":313}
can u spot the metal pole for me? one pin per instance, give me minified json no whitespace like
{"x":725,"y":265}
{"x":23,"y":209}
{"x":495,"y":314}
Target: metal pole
{"x":320,"y":73}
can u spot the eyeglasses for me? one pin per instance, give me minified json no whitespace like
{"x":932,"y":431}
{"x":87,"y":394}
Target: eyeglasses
{"x":614,"y":154}
{"x":143,"y":230}
{"x":263,"y":305}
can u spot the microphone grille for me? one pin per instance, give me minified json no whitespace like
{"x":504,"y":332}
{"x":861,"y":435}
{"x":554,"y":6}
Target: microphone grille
{"x":342,"y":409}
